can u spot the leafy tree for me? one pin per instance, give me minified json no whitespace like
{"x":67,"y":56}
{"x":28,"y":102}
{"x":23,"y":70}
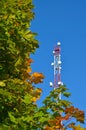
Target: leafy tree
{"x":18,"y":94}
{"x":61,"y":113}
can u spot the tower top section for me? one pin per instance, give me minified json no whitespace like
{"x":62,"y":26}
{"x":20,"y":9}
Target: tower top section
{"x":57,"y":49}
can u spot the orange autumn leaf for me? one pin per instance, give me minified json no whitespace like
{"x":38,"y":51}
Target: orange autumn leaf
{"x":28,"y":70}
{"x":34,"y":99}
{"x":36,"y":74}
{"x":55,"y":123}
{"x":29,"y":61}
{"x":48,"y":128}
{"x":37,"y":78}
{"x":65,"y":117}
{"x":75,"y":112}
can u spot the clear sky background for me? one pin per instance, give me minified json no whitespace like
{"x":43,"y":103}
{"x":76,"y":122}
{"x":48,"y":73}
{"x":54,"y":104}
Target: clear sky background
{"x":64,"y":21}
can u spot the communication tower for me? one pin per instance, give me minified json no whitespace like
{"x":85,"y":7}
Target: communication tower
{"x":57,"y":66}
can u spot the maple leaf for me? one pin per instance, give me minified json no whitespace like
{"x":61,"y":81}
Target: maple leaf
{"x":37,"y":78}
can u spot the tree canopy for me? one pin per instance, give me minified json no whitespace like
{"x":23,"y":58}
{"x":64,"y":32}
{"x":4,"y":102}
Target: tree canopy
{"x":18,"y":94}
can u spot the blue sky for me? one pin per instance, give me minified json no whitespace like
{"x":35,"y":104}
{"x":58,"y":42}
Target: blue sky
{"x":64,"y":21}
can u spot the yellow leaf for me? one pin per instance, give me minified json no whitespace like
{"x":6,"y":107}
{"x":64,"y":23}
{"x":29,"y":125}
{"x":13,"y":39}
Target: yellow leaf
{"x":39,"y":90}
{"x":28,"y":70}
{"x":2,"y":83}
{"x":34,"y":99}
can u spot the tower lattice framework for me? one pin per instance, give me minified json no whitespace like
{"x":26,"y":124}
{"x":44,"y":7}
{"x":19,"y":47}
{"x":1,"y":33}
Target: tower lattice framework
{"x":57,"y":66}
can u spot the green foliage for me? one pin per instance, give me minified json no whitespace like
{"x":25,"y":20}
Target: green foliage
{"x":16,"y":43}
{"x":16,"y":39}
{"x":61,"y":110}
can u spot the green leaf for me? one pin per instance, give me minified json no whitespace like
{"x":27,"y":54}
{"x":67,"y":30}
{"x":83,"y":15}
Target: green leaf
{"x":66,"y":94}
{"x":39,"y":114}
{"x":27,"y":99}
{"x":43,"y":119}
{"x":12,"y":118}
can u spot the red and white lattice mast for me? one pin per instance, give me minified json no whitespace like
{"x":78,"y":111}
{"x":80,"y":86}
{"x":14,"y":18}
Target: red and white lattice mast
{"x":57,"y":66}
